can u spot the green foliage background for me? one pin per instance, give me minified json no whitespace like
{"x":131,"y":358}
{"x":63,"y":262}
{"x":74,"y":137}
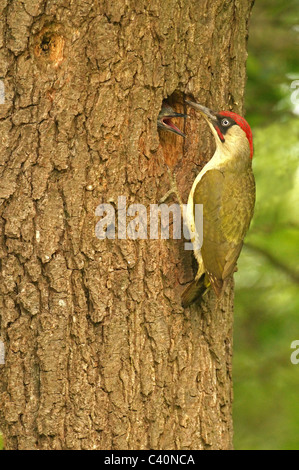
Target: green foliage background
{"x":266,"y":383}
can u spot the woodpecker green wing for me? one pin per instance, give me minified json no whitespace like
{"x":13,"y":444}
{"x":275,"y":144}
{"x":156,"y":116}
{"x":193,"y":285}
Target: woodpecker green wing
{"x":227,"y":212}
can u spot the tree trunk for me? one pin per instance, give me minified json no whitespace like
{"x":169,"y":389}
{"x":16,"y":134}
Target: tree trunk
{"x":99,"y":353}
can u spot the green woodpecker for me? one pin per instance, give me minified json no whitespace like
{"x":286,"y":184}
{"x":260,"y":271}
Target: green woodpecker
{"x":165,"y":119}
{"x":226,"y":189}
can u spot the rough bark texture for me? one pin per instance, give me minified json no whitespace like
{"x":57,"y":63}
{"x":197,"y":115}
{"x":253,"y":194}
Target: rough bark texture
{"x":99,"y":352}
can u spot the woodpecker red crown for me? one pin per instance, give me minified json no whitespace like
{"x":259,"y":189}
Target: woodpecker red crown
{"x":244,"y":126}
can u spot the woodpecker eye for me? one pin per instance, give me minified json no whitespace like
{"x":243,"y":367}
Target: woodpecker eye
{"x":225,"y":122}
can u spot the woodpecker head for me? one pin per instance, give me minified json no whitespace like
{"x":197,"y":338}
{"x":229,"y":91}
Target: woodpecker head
{"x":165,"y":119}
{"x":230,"y":130}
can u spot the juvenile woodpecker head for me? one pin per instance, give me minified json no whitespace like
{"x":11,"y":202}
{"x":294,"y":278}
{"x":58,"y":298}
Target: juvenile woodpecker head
{"x":165,"y":119}
{"x":231,"y":131}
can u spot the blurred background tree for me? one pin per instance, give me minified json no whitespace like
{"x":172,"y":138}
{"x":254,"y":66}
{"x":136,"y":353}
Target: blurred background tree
{"x":266,"y":383}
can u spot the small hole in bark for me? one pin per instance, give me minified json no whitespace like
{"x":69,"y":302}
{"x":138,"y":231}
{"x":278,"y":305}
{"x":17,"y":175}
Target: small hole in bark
{"x":49,"y":45}
{"x":45,"y":42}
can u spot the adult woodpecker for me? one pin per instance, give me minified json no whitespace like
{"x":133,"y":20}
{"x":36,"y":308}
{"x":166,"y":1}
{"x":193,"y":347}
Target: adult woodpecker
{"x":226,"y":189}
{"x":165,"y":119}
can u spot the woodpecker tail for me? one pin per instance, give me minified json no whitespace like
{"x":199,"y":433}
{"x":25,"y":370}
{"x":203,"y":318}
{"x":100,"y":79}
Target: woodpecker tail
{"x":195,"y":290}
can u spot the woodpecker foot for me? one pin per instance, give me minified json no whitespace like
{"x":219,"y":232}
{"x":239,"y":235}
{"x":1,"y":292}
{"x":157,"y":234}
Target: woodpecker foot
{"x":173,"y":190}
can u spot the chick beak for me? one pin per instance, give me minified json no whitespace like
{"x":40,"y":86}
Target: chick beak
{"x":165,"y":120}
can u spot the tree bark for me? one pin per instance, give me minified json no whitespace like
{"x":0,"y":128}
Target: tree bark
{"x":99,"y":353}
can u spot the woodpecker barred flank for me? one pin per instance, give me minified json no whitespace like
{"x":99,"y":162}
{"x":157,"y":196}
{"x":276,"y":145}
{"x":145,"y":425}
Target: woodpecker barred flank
{"x":165,"y":119}
{"x":226,"y":189}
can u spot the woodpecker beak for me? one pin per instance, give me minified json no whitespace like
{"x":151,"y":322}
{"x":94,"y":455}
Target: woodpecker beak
{"x":211,"y":118}
{"x":209,"y":115}
{"x":165,"y":120}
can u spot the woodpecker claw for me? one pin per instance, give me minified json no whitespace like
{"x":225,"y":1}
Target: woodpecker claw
{"x":165,"y":120}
